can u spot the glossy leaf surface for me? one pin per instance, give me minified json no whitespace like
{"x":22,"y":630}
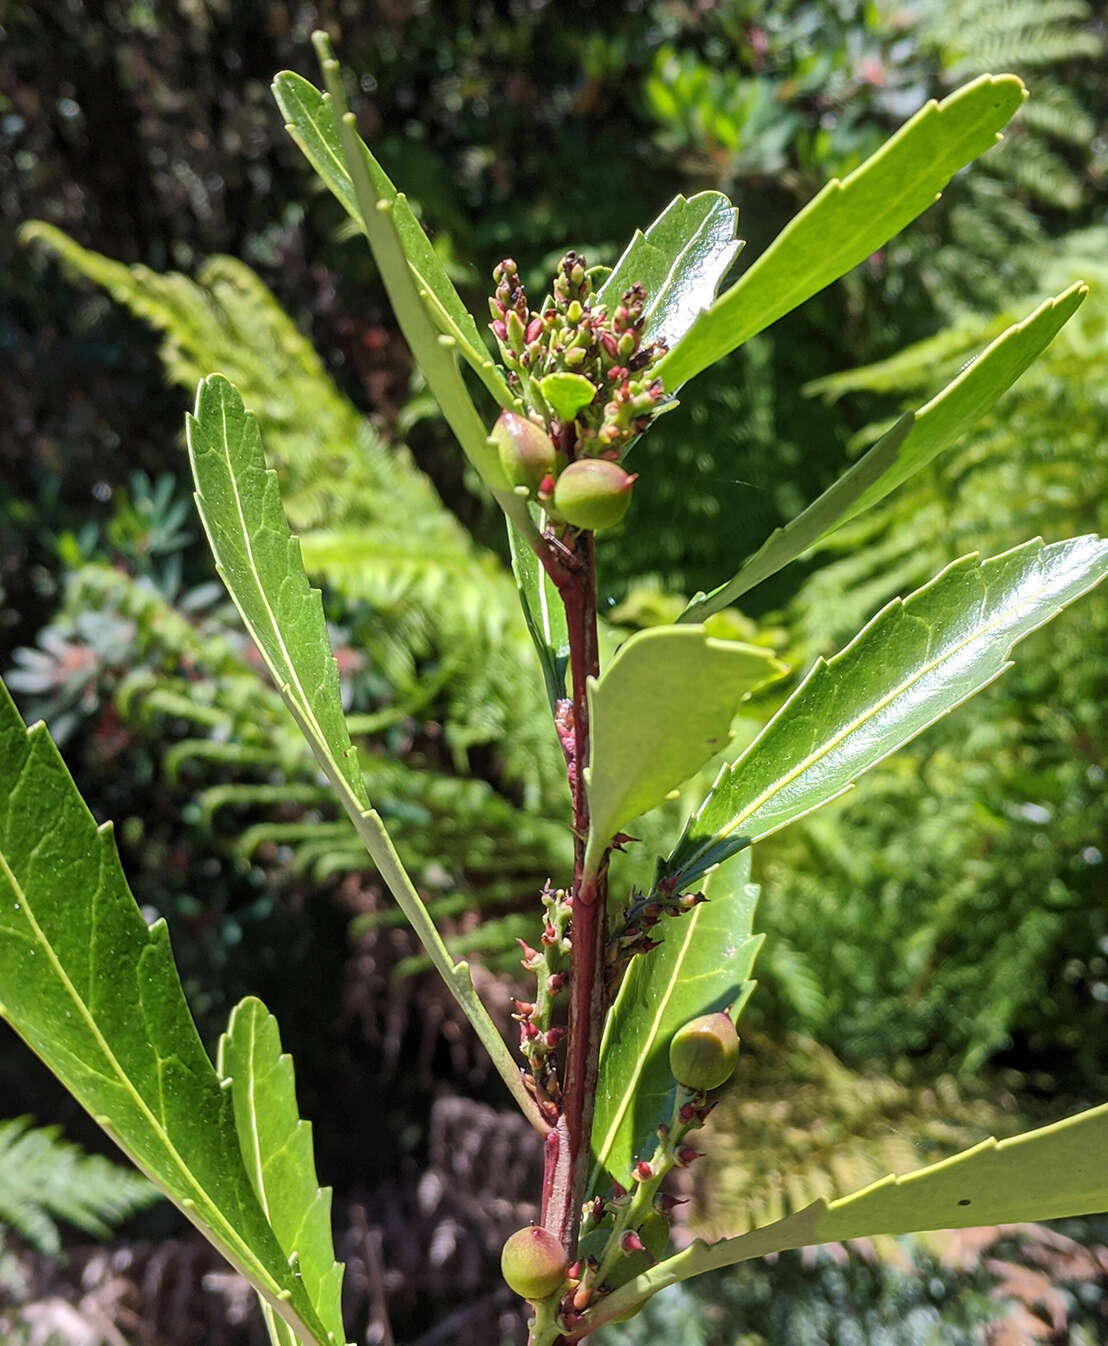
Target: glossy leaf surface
{"x":913,"y":442}
{"x":680,"y":261}
{"x":310,"y":121}
{"x":914,"y":662}
{"x":703,"y":964}
{"x":848,"y":220}
{"x":94,"y":992}
{"x":277,"y":1151}
{"x":428,"y":310}
{"x":1054,"y":1171}
{"x":660,"y":710}
{"x":259,"y":562}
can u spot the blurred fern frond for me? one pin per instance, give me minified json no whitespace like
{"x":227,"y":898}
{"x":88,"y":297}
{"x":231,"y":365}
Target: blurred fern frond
{"x":45,"y":1178}
{"x":432,"y":607}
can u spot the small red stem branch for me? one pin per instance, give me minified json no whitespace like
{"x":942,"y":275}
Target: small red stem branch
{"x":567,"y":1146}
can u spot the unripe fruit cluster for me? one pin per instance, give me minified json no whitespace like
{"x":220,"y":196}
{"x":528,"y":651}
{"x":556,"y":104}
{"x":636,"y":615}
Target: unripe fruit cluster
{"x":532,"y":1263}
{"x":704,"y":1053}
{"x":591,"y":493}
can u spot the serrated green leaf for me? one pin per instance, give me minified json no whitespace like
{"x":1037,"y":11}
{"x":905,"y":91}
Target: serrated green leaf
{"x":544,"y":614}
{"x":240,"y":506}
{"x":567,"y":393}
{"x":849,"y":220}
{"x":702,"y":965}
{"x":660,"y":710}
{"x":259,"y":562}
{"x":913,"y":442}
{"x":1055,"y":1171}
{"x":680,"y":261}
{"x":93,"y":991}
{"x":277,"y":1151}
{"x":915,"y":661}
{"x":427,"y":308}
{"x":310,"y":121}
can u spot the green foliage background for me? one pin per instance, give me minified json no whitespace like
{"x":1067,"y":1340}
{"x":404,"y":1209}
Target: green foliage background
{"x":947,"y":919}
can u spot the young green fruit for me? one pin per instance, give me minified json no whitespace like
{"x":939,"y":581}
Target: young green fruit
{"x":526,"y":451}
{"x":702,"y":1055}
{"x":593,"y":493}
{"x":533,"y":1263}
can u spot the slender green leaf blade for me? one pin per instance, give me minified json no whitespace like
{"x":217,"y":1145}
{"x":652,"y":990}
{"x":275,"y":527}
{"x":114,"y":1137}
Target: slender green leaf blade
{"x":913,"y":442}
{"x":261,"y":566}
{"x":1055,"y":1171}
{"x":914,"y":662}
{"x":701,"y":965}
{"x":544,"y":614}
{"x":277,"y":1151}
{"x":93,"y":991}
{"x":680,"y":261}
{"x":311,"y":123}
{"x":259,"y":561}
{"x":850,"y":219}
{"x":660,"y":710}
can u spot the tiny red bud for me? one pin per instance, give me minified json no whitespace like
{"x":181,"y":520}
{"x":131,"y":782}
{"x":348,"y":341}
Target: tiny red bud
{"x":686,"y":1154}
{"x":531,"y":959}
{"x":643,"y":1171}
{"x":629,"y":1242}
{"x":665,"y":1203}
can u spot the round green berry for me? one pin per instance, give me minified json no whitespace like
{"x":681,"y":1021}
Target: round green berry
{"x":702,"y":1055}
{"x":527,"y":453}
{"x":593,"y":493}
{"x":533,"y":1263}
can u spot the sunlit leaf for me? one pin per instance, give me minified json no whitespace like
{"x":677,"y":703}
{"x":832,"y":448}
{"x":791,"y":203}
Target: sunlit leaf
{"x":93,"y":991}
{"x":660,"y":710}
{"x":1055,"y":1171}
{"x":702,"y":965}
{"x":848,"y":220}
{"x":260,"y":563}
{"x":680,"y":261}
{"x":277,"y":1151}
{"x":544,"y":614}
{"x":913,"y":442}
{"x":918,"y":659}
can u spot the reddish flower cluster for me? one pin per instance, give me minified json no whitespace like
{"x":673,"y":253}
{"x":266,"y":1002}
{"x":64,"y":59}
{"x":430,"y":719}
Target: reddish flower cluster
{"x":570,"y":335}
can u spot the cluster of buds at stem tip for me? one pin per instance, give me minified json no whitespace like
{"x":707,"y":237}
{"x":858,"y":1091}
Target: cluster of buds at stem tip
{"x":584,"y":377}
{"x":538,"y":1036}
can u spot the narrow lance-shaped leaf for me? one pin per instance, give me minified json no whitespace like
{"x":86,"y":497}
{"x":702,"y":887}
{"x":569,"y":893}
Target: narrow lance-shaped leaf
{"x":701,"y":965}
{"x":913,"y":442}
{"x":326,"y":133}
{"x":914,"y":662}
{"x":660,"y":710}
{"x":277,"y":1151}
{"x":848,"y":220}
{"x":1055,"y":1171}
{"x":680,"y":261}
{"x":310,"y":121}
{"x":93,"y":991}
{"x":260,"y":563}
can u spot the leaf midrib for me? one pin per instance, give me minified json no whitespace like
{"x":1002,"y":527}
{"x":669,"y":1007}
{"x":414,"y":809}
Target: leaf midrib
{"x":836,"y":186}
{"x":854,"y":725}
{"x":232,"y":1238}
{"x":290,"y":666}
{"x":649,"y":1038}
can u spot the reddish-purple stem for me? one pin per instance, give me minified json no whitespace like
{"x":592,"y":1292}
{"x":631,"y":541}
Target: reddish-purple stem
{"x":567,"y":1146}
